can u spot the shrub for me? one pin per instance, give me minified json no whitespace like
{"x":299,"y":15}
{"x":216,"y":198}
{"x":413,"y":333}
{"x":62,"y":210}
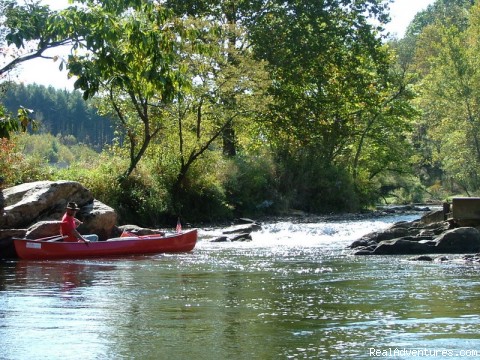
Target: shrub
{"x":312,"y":186}
{"x":251,"y":186}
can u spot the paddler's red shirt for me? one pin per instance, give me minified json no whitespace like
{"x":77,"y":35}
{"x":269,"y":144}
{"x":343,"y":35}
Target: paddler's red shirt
{"x":67,"y":226}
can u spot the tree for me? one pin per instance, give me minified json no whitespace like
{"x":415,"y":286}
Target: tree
{"x":442,"y":11}
{"x":229,"y":88}
{"x":452,"y":99}
{"x":9,"y":16}
{"x":133,"y":48}
{"x":28,"y":31}
{"x":128,"y":51}
{"x":232,"y":17}
{"x":335,"y":93}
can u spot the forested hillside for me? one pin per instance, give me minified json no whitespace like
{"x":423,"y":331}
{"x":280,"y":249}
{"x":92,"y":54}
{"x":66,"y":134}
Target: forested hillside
{"x":257,"y":108}
{"x":60,"y":112}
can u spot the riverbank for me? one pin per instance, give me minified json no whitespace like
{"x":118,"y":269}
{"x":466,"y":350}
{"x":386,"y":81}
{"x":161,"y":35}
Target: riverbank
{"x":300,"y":217}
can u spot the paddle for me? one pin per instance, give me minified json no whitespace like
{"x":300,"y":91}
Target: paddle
{"x":58,"y":238}
{"x":50,"y":238}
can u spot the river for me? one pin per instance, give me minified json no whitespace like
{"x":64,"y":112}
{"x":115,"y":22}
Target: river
{"x":293,"y":292}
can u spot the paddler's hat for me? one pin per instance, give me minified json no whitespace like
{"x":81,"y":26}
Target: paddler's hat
{"x":72,"y":206}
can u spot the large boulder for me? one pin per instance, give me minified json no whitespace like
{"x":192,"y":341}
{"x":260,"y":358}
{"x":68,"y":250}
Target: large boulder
{"x":43,"y":229}
{"x":459,"y":241}
{"x":397,"y":230}
{"x":97,"y":218}
{"x":28,"y":203}
{"x":38,"y":207}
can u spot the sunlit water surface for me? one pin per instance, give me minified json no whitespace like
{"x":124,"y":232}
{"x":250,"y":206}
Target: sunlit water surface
{"x":293,"y":292}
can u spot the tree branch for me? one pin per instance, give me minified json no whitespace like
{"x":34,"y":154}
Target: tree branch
{"x":37,"y":54}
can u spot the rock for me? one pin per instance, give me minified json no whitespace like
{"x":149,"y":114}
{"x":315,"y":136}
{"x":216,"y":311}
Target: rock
{"x":12,"y":233}
{"x":364,"y":252}
{"x":43,"y":229}
{"x":460,"y":240}
{"x":28,"y":203}
{"x":471,"y":258}
{"x":436,"y":228}
{"x":398,"y":230}
{"x":220,"y":239}
{"x":442,"y":259}
{"x":34,"y":210}
{"x":403,"y":247}
{"x":97,"y":218}
{"x":7,"y":250}
{"x":438,"y":259}
{"x":419,"y":238}
{"x":242,"y":237}
{"x":40,"y":206}
{"x":137,"y":230}
{"x":242,"y":229}
{"x":364,"y":242}
{"x":433,"y":217}
{"x":421,"y":258}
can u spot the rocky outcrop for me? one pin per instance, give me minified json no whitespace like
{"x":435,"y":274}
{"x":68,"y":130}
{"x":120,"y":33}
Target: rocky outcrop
{"x":28,"y":203}
{"x":459,"y":241}
{"x":34,"y":210}
{"x":134,"y":229}
{"x":97,"y":218}
{"x":43,"y":229}
{"x":240,"y":232}
{"x":424,"y":236}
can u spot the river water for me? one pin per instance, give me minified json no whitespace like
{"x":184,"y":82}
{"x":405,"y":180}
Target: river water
{"x":293,"y":292}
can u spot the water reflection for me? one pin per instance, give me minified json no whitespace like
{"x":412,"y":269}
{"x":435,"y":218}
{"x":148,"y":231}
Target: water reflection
{"x":51,"y":276}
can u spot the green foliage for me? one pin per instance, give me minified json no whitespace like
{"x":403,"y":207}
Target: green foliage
{"x":8,"y":124}
{"x":137,"y":200}
{"x":411,"y":193}
{"x":30,"y":27}
{"x":204,"y":203}
{"x":28,"y":158}
{"x":335,"y":94}
{"x":140,"y":201}
{"x":134,"y":60}
{"x":437,"y":192}
{"x":448,"y":56}
{"x":203,"y":196}
{"x":252,"y":185}
{"x":58,"y":151}
{"x":451,"y":11}
{"x":311,"y":186}
{"x":16,"y":168}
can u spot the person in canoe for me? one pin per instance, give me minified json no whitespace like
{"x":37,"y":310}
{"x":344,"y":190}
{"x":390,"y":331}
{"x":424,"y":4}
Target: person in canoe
{"x":69,"y":225}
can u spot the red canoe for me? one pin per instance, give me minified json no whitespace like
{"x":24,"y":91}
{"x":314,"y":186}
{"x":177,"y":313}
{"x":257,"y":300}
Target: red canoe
{"x":150,"y":244}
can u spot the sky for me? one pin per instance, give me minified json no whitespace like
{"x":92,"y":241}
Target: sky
{"x":46,"y":72}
